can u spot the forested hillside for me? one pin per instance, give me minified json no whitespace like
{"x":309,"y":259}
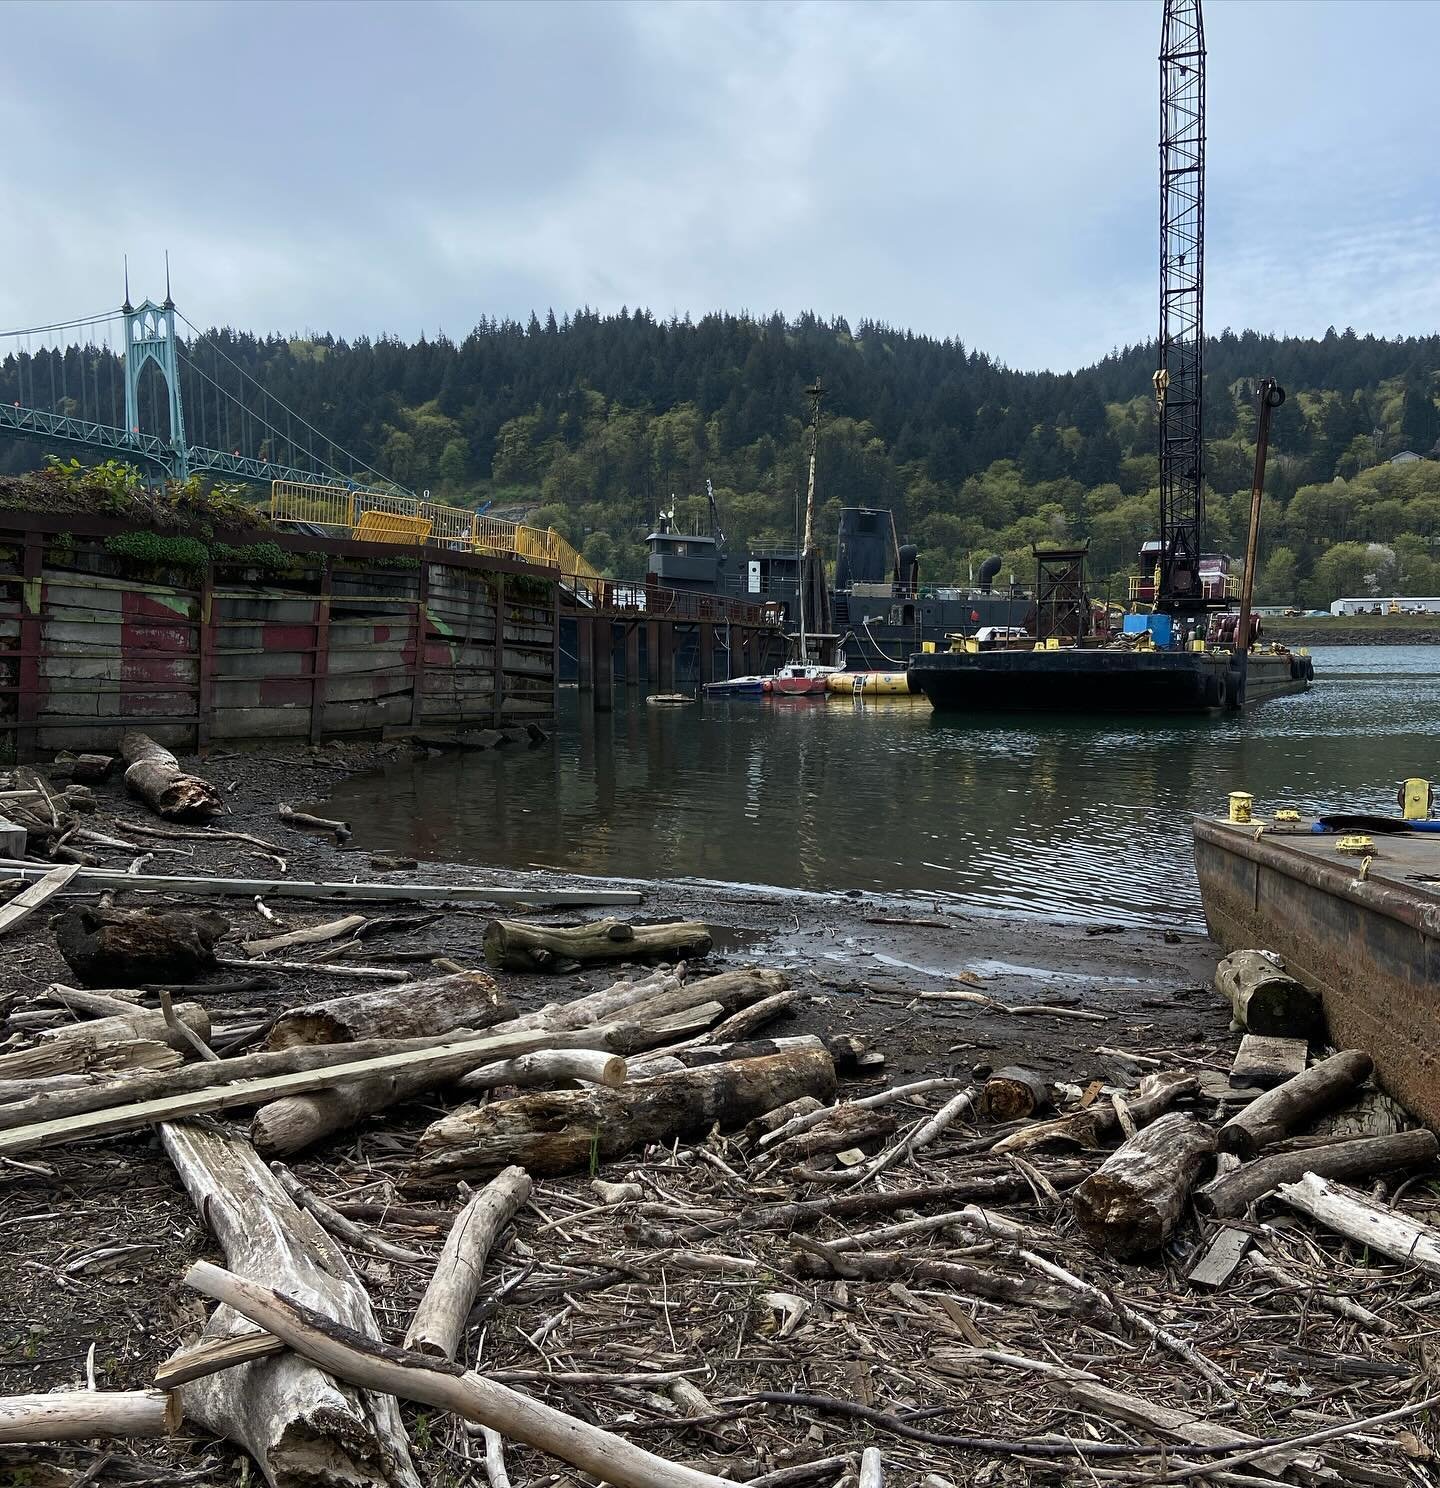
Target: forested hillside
{"x":591,"y":423}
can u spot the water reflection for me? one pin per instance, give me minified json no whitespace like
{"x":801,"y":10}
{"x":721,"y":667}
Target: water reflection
{"x":1083,"y":818}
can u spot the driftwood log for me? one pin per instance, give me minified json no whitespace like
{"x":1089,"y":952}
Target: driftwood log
{"x":1274,"y":1115}
{"x":1132,"y":1202}
{"x":375,"y":1367}
{"x":1265,"y":1000}
{"x":468,"y":999}
{"x":1013,"y":1093}
{"x":549,"y":1069}
{"x":1155,"y":1093}
{"x":560,"y":1131}
{"x":1233,"y":1193}
{"x":295,"y":1421}
{"x":439,"y":1323}
{"x":123,"y":947}
{"x":1366,"y":1222}
{"x":81,"y":1415}
{"x":68,"y":1063}
{"x":844,"y":1049}
{"x":91,"y":769}
{"x":847,"y":1126}
{"x":303,"y":821}
{"x":513,"y":945}
{"x":154,"y":774}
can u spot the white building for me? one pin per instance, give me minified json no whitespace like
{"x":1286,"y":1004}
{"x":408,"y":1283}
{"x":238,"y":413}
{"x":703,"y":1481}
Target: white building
{"x":1407,"y":604}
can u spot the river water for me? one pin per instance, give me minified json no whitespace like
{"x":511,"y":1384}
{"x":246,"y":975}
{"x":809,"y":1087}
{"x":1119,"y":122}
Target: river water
{"x":1064,"y":818}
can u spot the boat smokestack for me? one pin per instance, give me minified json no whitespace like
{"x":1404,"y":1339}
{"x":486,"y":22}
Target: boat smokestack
{"x":988,"y":570}
{"x":907,"y":568}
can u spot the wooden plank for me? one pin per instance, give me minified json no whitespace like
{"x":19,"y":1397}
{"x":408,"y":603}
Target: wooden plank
{"x":1263,"y":1062}
{"x":279,"y":888}
{"x":456,"y":1057}
{"x":46,"y":886}
{"x":1217,"y":1261}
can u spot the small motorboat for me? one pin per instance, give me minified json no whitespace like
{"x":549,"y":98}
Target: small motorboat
{"x":738,"y":687}
{"x":803,"y":680}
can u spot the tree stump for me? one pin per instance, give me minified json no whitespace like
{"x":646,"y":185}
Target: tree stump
{"x":1013,"y":1093}
{"x":125,"y":947}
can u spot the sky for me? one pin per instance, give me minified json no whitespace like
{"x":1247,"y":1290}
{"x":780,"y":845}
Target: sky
{"x":983,"y":170}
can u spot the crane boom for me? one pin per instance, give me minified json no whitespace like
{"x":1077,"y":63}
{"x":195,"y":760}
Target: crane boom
{"x":1182,"y":296}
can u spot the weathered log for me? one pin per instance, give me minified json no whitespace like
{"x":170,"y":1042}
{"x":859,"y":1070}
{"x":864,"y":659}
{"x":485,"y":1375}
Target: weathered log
{"x":109,"y":947}
{"x":846,"y":1127}
{"x":310,"y":935}
{"x":1358,"y":1158}
{"x":303,"y":821}
{"x":137,"y":1023}
{"x":1131,"y":1203}
{"x":517,"y":1417}
{"x":439,"y":1323}
{"x":1155,"y":1093}
{"x":929,"y":1130}
{"x":1364,"y":1221}
{"x":515,"y":946}
{"x":66,"y":1064}
{"x":296,"y":1422}
{"x":560,"y":1131}
{"x":154,"y":774}
{"x":1265,"y":1000}
{"x":440,"y":1061}
{"x":1371,"y":1114}
{"x":1262,"y":1061}
{"x":549,"y":1070}
{"x":803,"y":1120}
{"x":81,"y":1415}
{"x":1278,"y":1112}
{"x":842,"y":1049}
{"x":1014,"y":1092}
{"x":470,"y":999}
{"x":90,"y":769}
{"x":747,"y":1020}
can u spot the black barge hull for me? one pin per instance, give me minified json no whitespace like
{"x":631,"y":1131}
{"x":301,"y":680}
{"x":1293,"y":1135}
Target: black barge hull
{"x":1082,"y":681}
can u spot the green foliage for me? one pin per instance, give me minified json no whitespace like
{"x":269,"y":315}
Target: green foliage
{"x":159,"y":550}
{"x":264,"y":555}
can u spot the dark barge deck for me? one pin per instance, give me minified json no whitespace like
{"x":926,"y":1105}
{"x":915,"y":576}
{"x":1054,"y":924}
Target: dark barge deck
{"x":1369,"y":945}
{"x":1082,"y":680}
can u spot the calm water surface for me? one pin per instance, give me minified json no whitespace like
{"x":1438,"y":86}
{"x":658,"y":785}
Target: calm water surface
{"x":1064,"y":818}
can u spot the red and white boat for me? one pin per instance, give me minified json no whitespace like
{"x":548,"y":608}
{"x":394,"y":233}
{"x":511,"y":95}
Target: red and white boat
{"x":800,"y":680}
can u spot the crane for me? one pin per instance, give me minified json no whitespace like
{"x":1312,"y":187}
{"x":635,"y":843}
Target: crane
{"x":1182,"y":298}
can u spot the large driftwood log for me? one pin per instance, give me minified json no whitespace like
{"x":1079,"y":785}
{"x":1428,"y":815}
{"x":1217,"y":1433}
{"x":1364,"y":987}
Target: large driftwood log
{"x":1154,"y":1094}
{"x":560,"y":1131}
{"x":154,"y":774}
{"x":847,"y":1126}
{"x":549,"y":1070}
{"x":1265,"y":1000}
{"x":1364,"y":1221}
{"x":288,"y":1126}
{"x":439,"y":1322}
{"x":1233,"y":1193}
{"x":124,"y":947}
{"x":81,"y":1415}
{"x":28,"y":1072}
{"x":295,"y":1421}
{"x":1131,"y":1203}
{"x":517,"y":1417}
{"x":844,"y":1049}
{"x":515,"y":946}
{"x":467,"y":999}
{"x":1272,"y":1116}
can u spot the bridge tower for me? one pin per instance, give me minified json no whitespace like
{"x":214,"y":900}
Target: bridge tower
{"x":150,"y":337}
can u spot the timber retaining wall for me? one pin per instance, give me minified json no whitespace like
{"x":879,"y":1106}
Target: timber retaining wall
{"x":338,"y":639}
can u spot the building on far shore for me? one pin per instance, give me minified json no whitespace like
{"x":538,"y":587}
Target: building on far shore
{"x":1407,"y":604}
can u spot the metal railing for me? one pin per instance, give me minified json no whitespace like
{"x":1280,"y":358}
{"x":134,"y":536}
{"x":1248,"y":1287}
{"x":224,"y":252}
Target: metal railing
{"x":1215,"y":587}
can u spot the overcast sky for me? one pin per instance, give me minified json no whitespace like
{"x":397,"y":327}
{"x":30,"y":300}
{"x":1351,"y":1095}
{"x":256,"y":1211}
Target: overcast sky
{"x":982,"y":170}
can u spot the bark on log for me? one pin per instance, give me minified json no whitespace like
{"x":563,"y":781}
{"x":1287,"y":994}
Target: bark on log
{"x":550,"y":1069}
{"x":154,"y":774}
{"x":1265,"y":1000}
{"x":1155,"y":1093}
{"x":28,"y":1073}
{"x":846,"y":1127}
{"x":1358,"y":1158}
{"x":122,"y":947}
{"x":1364,"y":1221}
{"x":558,"y":1132}
{"x":90,"y":769}
{"x":517,"y":1417}
{"x":1014,"y":1092}
{"x":1278,"y":1112}
{"x":1131,"y":1203}
{"x":296,"y":1422}
{"x":82,"y":1415}
{"x":470,"y":999}
{"x":439,"y":1323}
{"x":515,"y":946}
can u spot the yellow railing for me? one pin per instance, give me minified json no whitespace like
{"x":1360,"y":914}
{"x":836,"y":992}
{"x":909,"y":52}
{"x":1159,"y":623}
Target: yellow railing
{"x":375,"y":516}
{"x":1143,"y":586}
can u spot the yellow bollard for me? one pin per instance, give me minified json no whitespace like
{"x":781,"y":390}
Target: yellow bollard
{"x":1240,"y":803}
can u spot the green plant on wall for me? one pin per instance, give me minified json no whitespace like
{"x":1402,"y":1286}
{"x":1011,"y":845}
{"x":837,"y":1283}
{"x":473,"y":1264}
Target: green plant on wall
{"x":162,"y":551}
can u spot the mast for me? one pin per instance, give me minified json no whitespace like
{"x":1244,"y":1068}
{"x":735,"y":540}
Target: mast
{"x":1182,"y":293}
{"x":812,"y":571}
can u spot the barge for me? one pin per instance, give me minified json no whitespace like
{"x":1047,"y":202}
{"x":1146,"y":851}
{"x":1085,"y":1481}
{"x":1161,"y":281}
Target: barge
{"x":1362,"y":930}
